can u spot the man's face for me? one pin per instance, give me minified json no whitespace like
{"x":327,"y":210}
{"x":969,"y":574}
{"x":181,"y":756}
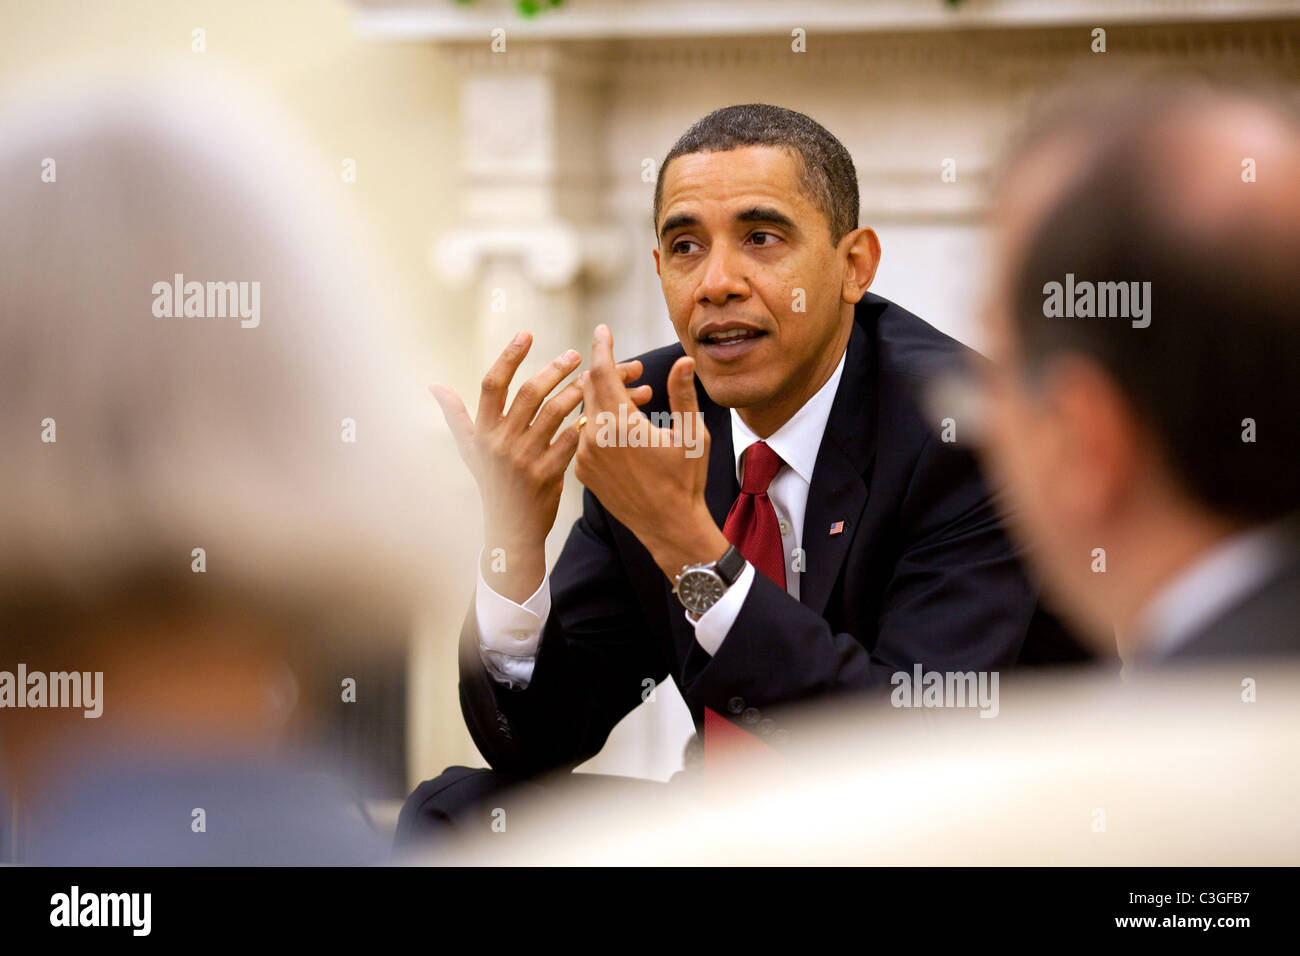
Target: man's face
{"x":1032,"y":444}
{"x":1019,"y":436}
{"x":754,"y":287}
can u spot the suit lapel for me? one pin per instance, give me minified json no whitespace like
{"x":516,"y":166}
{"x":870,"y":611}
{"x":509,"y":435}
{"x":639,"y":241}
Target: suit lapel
{"x":838,"y":492}
{"x":839,"y":484}
{"x":722,"y":488}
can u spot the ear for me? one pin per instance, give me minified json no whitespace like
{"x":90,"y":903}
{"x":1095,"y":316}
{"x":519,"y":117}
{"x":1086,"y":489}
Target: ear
{"x":1100,"y":444}
{"x":655,"y":253}
{"x":862,"y":250}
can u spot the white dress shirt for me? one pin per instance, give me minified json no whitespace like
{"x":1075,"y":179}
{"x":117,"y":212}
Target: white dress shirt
{"x":509,"y":633}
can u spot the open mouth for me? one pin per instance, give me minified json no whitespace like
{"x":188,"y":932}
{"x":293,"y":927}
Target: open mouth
{"x":730,"y":343}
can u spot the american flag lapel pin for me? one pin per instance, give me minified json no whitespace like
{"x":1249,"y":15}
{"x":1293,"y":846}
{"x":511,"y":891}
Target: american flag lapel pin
{"x":837,"y":528}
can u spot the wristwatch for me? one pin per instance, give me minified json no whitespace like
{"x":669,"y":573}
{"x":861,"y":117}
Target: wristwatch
{"x":699,"y":586}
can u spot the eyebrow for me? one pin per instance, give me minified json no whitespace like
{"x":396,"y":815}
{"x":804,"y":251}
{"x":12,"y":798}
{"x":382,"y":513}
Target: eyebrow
{"x":752,"y":214}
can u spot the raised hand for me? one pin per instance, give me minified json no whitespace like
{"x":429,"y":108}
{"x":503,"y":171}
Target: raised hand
{"x":518,"y":460}
{"x":653,"y":484}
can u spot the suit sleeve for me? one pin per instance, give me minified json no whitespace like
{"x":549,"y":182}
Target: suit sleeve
{"x":957,"y":601}
{"x":594,"y":659}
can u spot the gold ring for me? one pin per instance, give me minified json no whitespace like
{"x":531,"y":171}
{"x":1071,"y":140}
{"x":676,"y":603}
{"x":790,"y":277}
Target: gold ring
{"x":582,"y":420}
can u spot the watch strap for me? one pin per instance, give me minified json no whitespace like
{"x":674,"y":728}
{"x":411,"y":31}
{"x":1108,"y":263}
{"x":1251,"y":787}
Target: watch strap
{"x":730,"y":565}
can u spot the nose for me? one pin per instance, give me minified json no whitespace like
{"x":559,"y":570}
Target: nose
{"x":723,"y":275}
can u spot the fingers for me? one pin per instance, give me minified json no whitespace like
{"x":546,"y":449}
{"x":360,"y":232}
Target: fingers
{"x":630,"y":371}
{"x":604,"y":386}
{"x":496,"y":383}
{"x":458,"y":420}
{"x":532,"y":394}
{"x":627,"y":372}
{"x":561,"y":450}
{"x":681,"y":386}
{"x":602,"y":349}
{"x":534,"y":391}
{"x":682,"y":396}
{"x":558,"y":407}
{"x":555,"y":410}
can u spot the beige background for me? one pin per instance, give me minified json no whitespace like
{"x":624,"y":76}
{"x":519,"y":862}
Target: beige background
{"x":449,"y":140}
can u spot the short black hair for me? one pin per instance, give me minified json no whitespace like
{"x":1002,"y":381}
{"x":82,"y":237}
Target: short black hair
{"x":826,"y":168}
{"x":1223,"y":344}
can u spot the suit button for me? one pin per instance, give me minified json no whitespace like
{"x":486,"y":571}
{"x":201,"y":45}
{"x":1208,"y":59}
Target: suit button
{"x":766,"y":727}
{"x":736,"y":705}
{"x":750,"y":716}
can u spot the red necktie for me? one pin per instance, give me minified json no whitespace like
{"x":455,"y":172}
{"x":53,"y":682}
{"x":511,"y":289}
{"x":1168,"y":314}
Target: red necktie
{"x":753,"y":528}
{"x":751,"y":524}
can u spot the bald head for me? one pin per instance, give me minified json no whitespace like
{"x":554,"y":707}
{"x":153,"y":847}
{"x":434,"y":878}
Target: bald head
{"x":1191,"y":195}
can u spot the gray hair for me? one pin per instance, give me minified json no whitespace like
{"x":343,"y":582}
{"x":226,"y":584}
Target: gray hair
{"x":176,"y":433}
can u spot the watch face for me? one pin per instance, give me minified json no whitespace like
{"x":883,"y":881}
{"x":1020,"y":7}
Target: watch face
{"x":699,"y":590}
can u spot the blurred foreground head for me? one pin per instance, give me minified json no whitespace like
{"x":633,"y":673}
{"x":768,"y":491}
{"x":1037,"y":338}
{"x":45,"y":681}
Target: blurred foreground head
{"x":1143,"y":320}
{"x":206,"y":438}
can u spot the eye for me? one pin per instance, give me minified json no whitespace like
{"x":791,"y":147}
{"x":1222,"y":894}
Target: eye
{"x":771,"y":236}
{"x":676,"y":246}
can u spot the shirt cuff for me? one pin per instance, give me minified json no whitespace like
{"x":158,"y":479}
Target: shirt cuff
{"x":507,"y":628}
{"x":714,"y":624}
{"x":509,"y":633}
{"x":515,"y":672}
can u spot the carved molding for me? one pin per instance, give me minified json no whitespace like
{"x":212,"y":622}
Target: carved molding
{"x":1271,"y":43}
{"x":552,"y":255}
{"x":540,"y":172}
{"x":444,"y":21}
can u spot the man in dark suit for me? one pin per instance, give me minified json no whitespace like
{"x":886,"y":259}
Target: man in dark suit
{"x":778,"y":523}
{"x":1151,"y":455}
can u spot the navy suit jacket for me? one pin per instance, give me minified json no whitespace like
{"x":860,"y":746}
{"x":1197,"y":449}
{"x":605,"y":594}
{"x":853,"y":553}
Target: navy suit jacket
{"x":922,"y":573}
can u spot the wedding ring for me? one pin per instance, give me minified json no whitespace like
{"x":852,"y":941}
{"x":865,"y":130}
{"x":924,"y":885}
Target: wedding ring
{"x":582,"y":420}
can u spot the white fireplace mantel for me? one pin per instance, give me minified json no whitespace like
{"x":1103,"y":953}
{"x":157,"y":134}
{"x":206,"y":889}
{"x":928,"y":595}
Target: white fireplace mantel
{"x":559,"y":126}
{"x":447,"y":21}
